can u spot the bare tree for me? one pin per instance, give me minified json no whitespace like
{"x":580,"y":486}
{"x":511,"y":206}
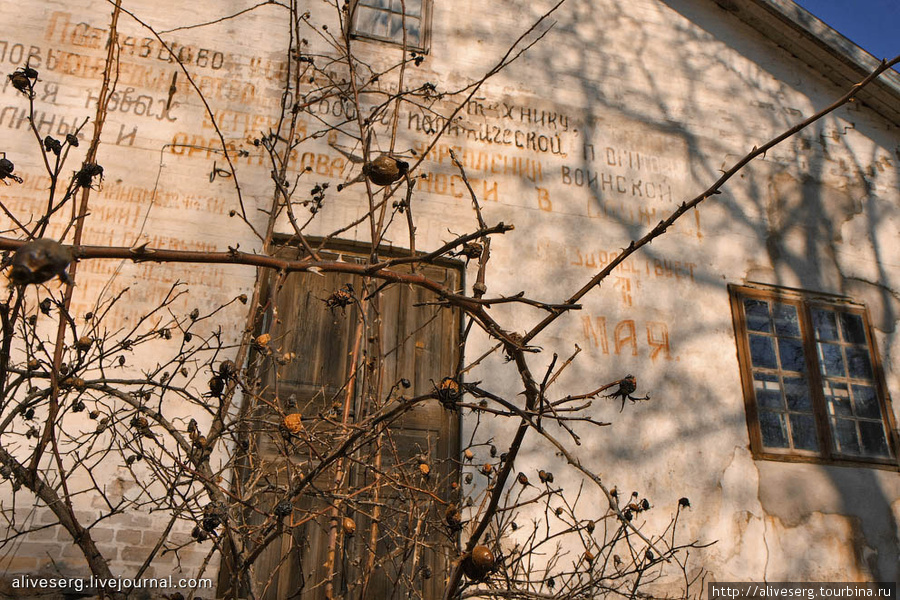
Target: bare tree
{"x":287,"y":466}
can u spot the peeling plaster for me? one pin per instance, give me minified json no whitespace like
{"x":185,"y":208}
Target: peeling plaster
{"x":844,"y":512}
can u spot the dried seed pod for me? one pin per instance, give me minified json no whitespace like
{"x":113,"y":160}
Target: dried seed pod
{"x":627,"y":387}
{"x":84,"y":343}
{"x":283,"y":508}
{"x":486,"y":468}
{"x":590,"y":527}
{"x":340,"y":298}
{"x":522,"y":478}
{"x":588,"y":556}
{"x":424,"y":469}
{"x":227,"y":369}
{"x":286,"y":358}
{"x":85,"y":177}
{"x":53,"y":145}
{"x":684,"y":503}
{"x":545,"y":476}
{"x":39,"y":261}
{"x":385,"y":170}
{"x":453,"y":518}
{"x":448,"y":392}
{"x":482,"y":557}
{"x":348,"y":525}
{"x":6,"y":170}
{"x":469,"y":454}
{"x":216,"y":386}
{"x":23,"y":80}
{"x":213,"y":516}
{"x":471,"y":250}
{"x":293,"y":422}
{"x":479,"y":564}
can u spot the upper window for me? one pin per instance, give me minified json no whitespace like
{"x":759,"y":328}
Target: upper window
{"x":812,"y":383}
{"x":384,"y":19}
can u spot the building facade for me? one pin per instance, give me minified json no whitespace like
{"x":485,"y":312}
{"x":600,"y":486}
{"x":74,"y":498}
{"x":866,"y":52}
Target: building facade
{"x":762,"y":325}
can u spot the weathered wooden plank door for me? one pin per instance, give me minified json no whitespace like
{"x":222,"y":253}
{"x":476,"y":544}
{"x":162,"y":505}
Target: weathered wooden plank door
{"x":399,"y":549}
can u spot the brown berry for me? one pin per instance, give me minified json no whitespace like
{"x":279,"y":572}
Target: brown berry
{"x":349,"y":526}
{"x":293,"y":422}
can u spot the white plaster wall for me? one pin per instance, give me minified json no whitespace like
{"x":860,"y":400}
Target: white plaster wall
{"x":681,"y":83}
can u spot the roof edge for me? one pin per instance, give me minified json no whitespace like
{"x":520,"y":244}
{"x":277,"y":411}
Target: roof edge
{"x":818,"y":45}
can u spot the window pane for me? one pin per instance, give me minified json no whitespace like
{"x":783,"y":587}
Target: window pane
{"x":372,"y":22}
{"x":768,"y":391}
{"x":376,"y":3}
{"x":774,"y":434}
{"x":858,"y":362}
{"x":412,"y":30}
{"x":791,"y":354}
{"x":824,"y":324}
{"x":873,"y":441}
{"x":831,"y":360}
{"x":845,"y":438}
{"x":413,"y":7}
{"x":865,"y":402}
{"x":852,"y":326}
{"x":762,"y":352}
{"x":797,"y":393}
{"x":803,"y":432}
{"x":838,"y":397}
{"x":786,"y":321}
{"x":397,"y":28}
{"x":757,"y":312}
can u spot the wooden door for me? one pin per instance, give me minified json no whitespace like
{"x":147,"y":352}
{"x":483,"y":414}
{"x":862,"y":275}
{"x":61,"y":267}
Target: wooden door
{"x":396,"y":514}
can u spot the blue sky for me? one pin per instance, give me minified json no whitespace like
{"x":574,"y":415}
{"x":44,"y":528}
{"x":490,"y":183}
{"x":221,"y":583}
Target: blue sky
{"x":872,"y":24}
